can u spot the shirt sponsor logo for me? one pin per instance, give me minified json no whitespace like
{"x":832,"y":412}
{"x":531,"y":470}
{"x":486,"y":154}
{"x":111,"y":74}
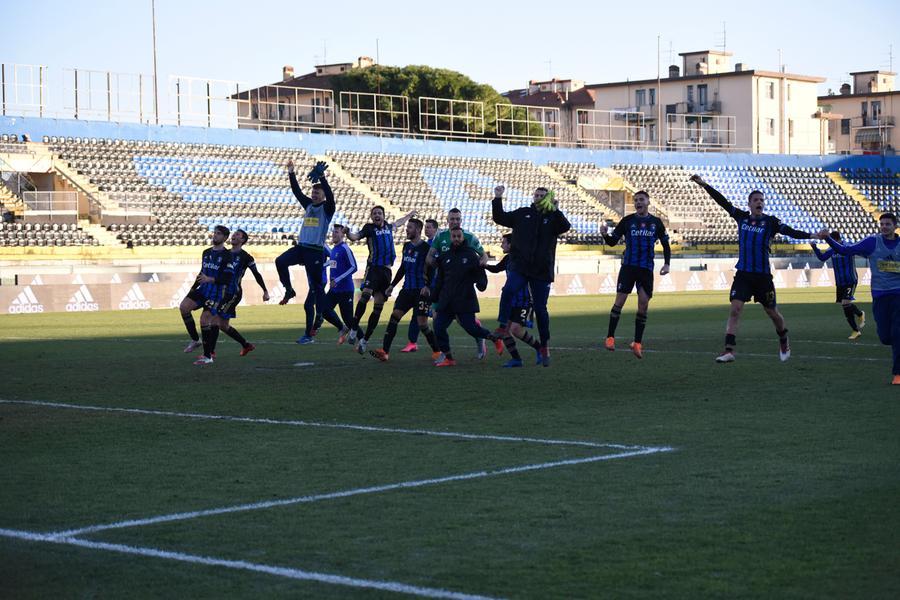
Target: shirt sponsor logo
{"x":752,"y":227}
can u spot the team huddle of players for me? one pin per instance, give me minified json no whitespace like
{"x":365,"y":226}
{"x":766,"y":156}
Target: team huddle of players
{"x":441,"y":271}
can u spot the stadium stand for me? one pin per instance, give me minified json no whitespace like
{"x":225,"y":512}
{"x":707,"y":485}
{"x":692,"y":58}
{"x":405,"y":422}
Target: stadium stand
{"x":432,"y":185}
{"x":44,"y":234}
{"x":881,"y":186}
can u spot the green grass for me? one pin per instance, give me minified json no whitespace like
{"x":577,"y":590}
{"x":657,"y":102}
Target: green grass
{"x":784,"y":480}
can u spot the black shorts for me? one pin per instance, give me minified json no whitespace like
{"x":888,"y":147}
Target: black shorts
{"x":406,"y":300}
{"x":520,"y":315}
{"x":423,"y":306}
{"x":227,"y":308}
{"x":631,"y":276}
{"x":845,"y":292}
{"x":201,"y":299}
{"x":756,"y":286}
{"x":377,"y":279}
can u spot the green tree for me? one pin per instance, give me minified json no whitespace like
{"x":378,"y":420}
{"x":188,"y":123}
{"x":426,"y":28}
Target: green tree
{"x":417,"y":81}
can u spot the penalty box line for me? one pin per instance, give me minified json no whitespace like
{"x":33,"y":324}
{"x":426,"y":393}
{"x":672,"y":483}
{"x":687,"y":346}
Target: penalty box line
{"x":301,"y":423}
{"x":286,"y":572}
{"x":182,"y":516}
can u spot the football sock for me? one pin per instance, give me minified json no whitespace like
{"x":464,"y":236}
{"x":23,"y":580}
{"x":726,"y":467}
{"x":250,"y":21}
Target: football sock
{"x":373,"y":320}
{"x":191,"y":326}
{"x":614,"y":315}
{"x":640,"y":322}
{"x":429,"y":335}
{"x":236,"y":336}
{"x":390,"y":333}
{"x":730,"y":342}
{"x":529,"y":339}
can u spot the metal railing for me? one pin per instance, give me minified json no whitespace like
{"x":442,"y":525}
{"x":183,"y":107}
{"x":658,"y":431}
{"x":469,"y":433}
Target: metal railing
{"x":604,"y":128}
{"x":526,"y":122}
{"x":446,"y":115}
{"x":686,"y":131}
{"x":51,"y":203}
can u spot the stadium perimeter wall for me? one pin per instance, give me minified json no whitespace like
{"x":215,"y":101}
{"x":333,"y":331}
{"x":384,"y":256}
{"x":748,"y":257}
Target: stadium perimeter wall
{"x":102,"y":291}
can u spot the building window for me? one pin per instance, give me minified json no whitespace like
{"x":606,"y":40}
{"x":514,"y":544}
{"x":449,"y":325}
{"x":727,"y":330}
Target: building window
{"x":789,"y":92}
{"x":640,"y":97}
{"x":702,"y":96}
{"x":770,"y":90}
{"x":790,"y":128}
{"x":652,"y":97}
{"x":845,"y":126}
{"x":690,"y":93}
{"x":770,"y":126}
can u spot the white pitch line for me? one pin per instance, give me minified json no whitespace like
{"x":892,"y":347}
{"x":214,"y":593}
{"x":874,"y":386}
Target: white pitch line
{"x":353,"y":492}
{"x":287,"y":572}
{"x":739,"y":354}
{"x":297,"y":423}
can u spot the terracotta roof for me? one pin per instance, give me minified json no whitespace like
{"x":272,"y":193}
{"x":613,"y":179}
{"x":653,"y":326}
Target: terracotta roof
{"x":308,"y":80}
{"x":550,"y":99}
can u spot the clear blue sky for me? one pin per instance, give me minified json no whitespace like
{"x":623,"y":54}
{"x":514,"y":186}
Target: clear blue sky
{"x":503,"y":43}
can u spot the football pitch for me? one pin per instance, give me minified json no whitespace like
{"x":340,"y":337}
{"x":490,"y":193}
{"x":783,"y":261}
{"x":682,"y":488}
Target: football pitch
{"x":310,"y":471}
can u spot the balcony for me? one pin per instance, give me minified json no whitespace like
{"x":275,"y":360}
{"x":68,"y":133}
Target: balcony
{"x":710,"y":108}
{"x":880,"y":122}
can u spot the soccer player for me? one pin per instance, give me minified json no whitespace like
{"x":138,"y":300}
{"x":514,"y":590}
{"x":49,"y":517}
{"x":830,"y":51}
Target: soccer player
{"x":520,"y":315}
{"x":314,"y":319}
{"x":458,"y":271}
{"x":441,"y":241}
{"x":430,"y":231}
{"x":883,"y":252}
{"x":213,"y":259}
{"x":753,"y":279}
{"x":343,"y":266}
{"x":441,"y":244}
{"x":310,"y":248}
{"x":227,"y":309}
{"x":845,"y":280}
{"x":379,"y":235}
{"x":640,"y":231}
{"x":215,"y":274}
{"x":414,"y":293}
{"x":532,"y":257}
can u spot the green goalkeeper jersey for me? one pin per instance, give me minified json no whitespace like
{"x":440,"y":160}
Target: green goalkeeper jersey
{"x":441,"y":242}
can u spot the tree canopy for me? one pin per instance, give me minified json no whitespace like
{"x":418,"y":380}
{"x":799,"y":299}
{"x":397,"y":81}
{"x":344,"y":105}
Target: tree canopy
{"x":420,"y":81}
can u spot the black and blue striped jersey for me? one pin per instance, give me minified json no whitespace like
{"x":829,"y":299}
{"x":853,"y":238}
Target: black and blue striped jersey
{"x":640,"y":235}
{"x":240,"y":262}
{"x":844,"y":266}
{"x":413,"y":264}
{"x":216,"y":264}
{"x":755,"y":234}
{"x":381,"y":244}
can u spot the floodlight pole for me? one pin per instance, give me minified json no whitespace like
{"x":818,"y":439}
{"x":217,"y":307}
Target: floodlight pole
{"x":155,"y":84}
{"x":658,"y":100}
